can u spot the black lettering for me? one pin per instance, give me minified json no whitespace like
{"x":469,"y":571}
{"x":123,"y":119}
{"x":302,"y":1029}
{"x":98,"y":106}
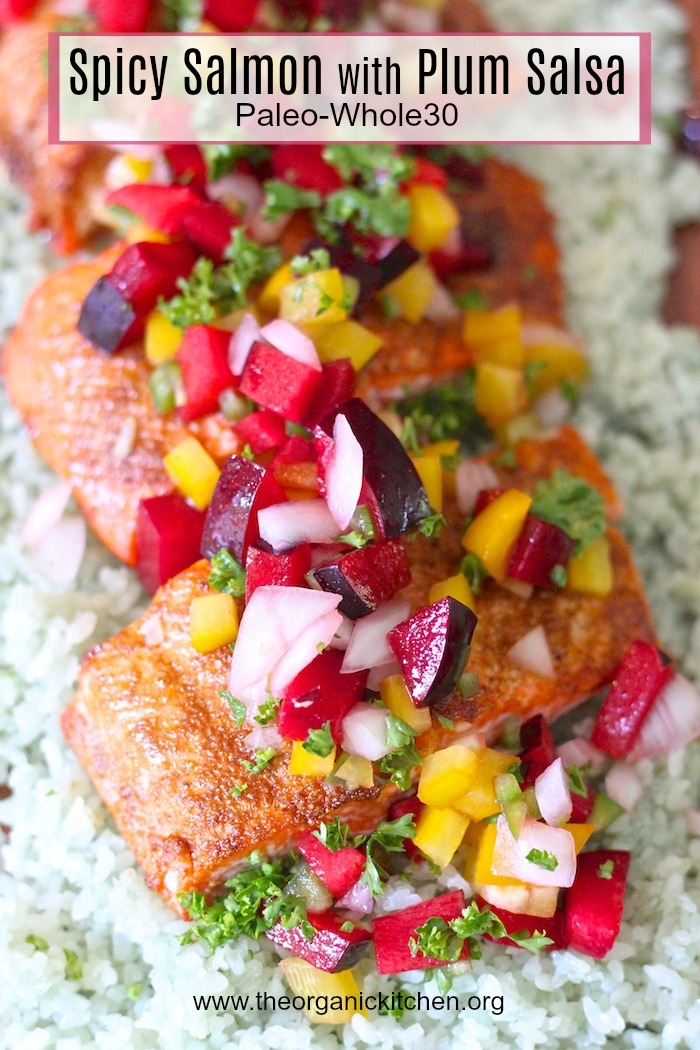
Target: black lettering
{"x":616,"y":77}
{"x":594,"y":85}
{"x":215,"y":80}
{"x":535,"y":87}
{"x":193,"y":85}
{"x":78,"y":52}
{"x":427,"y":64}
{"x":137,"y":87}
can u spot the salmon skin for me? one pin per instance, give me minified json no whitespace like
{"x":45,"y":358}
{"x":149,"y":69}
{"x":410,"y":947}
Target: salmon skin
{"x":161,"y":745}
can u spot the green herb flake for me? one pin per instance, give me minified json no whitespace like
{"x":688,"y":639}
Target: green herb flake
{"x":577,"y":784}
{"x":237,"y":706}
{"x":281,"y":198}
{"x":474,"y":570}
{"x":447,"y":411}
{"x":533,"y":942}
{"x":573,"y":505}
{"x":222,"y":158}
{"x":334,"y":834}
{"x":409,"y":438}
{"x":227,"y":574}
{"x":267,"y":711}
{"x":319,"y":741}
{"x":445,"y":940}
{"x":263,"y":757}
{"x":389,"y":836}
{"x":37,"y":942}
{"x":445,"y":722}
{"x":605,"y":870}
{"x":237,"y":790}
{"x":74,"y":967}
{"x":559,"y":576}
{"x":361,"y":531}
{"x":543,"y":859}
{"x":432,"y":525}
{"x":472,"y":300}
{"x":317,"y":259}
{"x":468,"y":684}
{"x":347,"y":927}
{"x":134,"y":991}
{"x":506,"y":460}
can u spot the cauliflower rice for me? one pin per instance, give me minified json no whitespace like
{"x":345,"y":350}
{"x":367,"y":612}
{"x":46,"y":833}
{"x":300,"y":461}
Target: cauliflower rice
{"x":112,"y":974}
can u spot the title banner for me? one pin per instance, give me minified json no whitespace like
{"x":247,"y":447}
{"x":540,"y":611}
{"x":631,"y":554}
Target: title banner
{"x":338,"y":87}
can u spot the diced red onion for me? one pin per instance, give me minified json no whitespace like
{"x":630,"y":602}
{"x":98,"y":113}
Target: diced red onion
{"x":532,"y":653}
{"x":553,"y":794}
{"x":58,"y":554}
{"x":286,"y":525}
{"x":442,"y":306}
{"x":623,"y":786}
{"x":674,"y":720}
{"x":364,"y":732}
{"x":291,"y":341}
{"x":267,"y":231}
{"x":368,"y":643}
{"x":45,"y":513}
{"x":344,"y":473}
{"x":509,"y":854}
{"x":581,"y":752}
{"x":471,"y":476}
{"x":358,"y":898}
{"x":242,"y":339}
{"x":552,"y":408}
{"x":244,"y":188}
{"x":519,"y":588}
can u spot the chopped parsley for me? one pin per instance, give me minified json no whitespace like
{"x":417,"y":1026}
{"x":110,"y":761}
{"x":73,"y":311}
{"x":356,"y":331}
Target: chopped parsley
{"x":319,"y":741}
{"x":386,"y":212}
{"x":282,"y":198}
{"x":605,"y":870}
{"x":74,"y":967}
{"x":362,"y":529}
{"x":432,"y":525}
{"x":398,"y":765}
{"x":577,"y":784}
{"x":559,"y":576}
{"x":375,"y":165}
{"x":389,"y":836}
{"x":263,"y":757}
{"x":317,"y":259}
{"x":507,"y":460}
{"x":573,"y":505}
{"x":543,"y":859}
{"x":37,"y":942}
{"x":474,"y":570}
{"x":134,"y":991}
{"x":472,"y":300}
{"x":439,"y":939}
{"x":334,"y":835}
{"x":447,"y":411}
{"x":409,"y":437}
{"x":446,"y":723}
{"x":237,"y":706}
{"x":267,"y":711}
{"x":237,"y":790}
{"x":227,"y":574}
{"x":221,"y":158}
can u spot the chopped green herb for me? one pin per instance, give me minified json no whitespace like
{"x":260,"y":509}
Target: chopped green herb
{"x":237,"y":706}
{"x":387,"y":212}
{"x":165,"y":385}
{"x":445,"y":940}
{"x":296,"y":430}
{"x":432,"y":525}
{"x":221,"y":158}
{"x":389,"y":836}
{"x":409,"y":438}
{"x":74,"y":967}
{"x":468,"y":684}
{"x":507,"y":460}
{"x":404,"y":756}
{"x":227,"y":574}
{"x":263,"y":757}
{"x":347,"y":927}
{"x":445,"y":722}
{"x":577,"y":784}
{"x":334,"y":835}
{"x":534,"y":942}
{"x":472,"y":300}
{"x":238,"y":789}
{"x":361,"y":530}
{"x":569,"y":390}
{"x":267,"y":711}
{"x":516,"y":771}
{"x":389,"y":307}
{"x":317,"y":259}
{"x":605,"y":870}
{"x":319,"y":741}
{"x":247,"y":452}
{"x":543,"y":859}
{"x":37,"y":942}
{"x":530,"y":371}
{"x":282,"y":198}
{"x":134,"y":991}
{"x":447,"y":411}
{"x":573,"y":505}
{"x":559,"y":576}
{"x":324,"y":303}
{"x":373,"y":165}
{"x":474,"y":570}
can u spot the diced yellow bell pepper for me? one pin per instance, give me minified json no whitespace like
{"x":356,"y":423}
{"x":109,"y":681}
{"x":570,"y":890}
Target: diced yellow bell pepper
{"x":440,"y":448}
{"x":314,"y":301}
{"x":479,"y":800}
{"x":500,"y":393}
{"x":433,"y":217}
{"x":453,"y":587}
{"x":348,"y":339}
{"x":193,"y":471}
{"x":590,"y":572}
{"x":320,"y":987}
{"x":487,"y":327}
{"x":161,"y":338}
{"x":493,"y":532}
{"x":580,"y":834}
{"x":269,"y":297}
{"x":507,"y":353}
{"x":523,"y":899}
{"x":413,"y":290}
{"x":357,"y":772}
{"x":395,"y":695}
{"x":429,"y":470}
{"x":138,"y":231}
{"x":446,"y":776}
{"x":303,"y":764}
{"x":439,"y":833}
{"x":481,"y":841}
{"x":213,"y":622}
{"x":559,"y":361}
{"x":139,"y":168}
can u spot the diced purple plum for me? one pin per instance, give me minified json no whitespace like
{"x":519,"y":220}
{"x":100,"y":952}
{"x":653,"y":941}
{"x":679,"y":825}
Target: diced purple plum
{"x":539,"y":548}
{"x":392,"y":933}
{"x":106,"y":319}
{"x":365,"y":577}
{"x":338,"y":869}
{"x":432,"y":647}
{"x":399,"y":499}
{"x":332,"y":949}
{"x":168,"y":536}
{"x":242,"y":490}
{"x":537,"y":749}
{"x":265,"y":569}
{"x":320,"y":694}
{"x":350,"y":264}
{"x":397,"y":261}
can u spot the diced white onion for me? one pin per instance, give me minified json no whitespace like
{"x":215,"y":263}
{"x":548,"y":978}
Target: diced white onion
{"x":358,"y":898}
{"x":261,"y":737}
{"x":471,"y":477}
{"x":243,"y":188}
{"x":623,"y":786}
{"x":581,"y":752}
{"x":344,"y":473}
{"x":58,"y":554}
{"x":674,"y":720}
{"x":553,"y":794}
{"x":442,"y":306}
{"x":368,"y":643}
{"x":552,"y":408}
{"x":292,"y":342}
{"x":364,"y":732}
{"x":532,"y":653}
{"x":286,"y":525}
{"x":242,"y":339}
{"x":510,"y":855}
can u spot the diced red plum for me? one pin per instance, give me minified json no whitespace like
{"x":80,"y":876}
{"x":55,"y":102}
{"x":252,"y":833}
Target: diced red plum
{"x":203,"y":357}
{"x":106,"y":319}
{"x":351,"y":265}
{"x":168,"y":536}
{"x":391,"y":933}
{"x":396,"y":262}
{"x":337,"y":385}
{"x":296,"y":449}
{"x":332,"y":949}
{"x":638,"y":681}
{"x":537,"y":750}
{"x":114,"y":16}
{"x":320,"y":694}
{"x":261,"y":430}
{"x":399,"y":499}
{"x":187,"y":165}
{"x":338,"y":870}
{"x":366,"y":577}
{"x":552,"y":927}
{"x":279,"y":382}
{"x":304,"y":166}
{"x":161,"y":207}
{"x":414,"y":806}
{"x":208,"y":227}
{"x":485,"y":497}
{"x":145,"y":271}
{"x":432,"y":647}
{"x":265,"y":569}
{"x":593,"y":906}
{"x":538,"y":549}
{"x":228,"y":17}
{"x":582,"y":806}
{"x":12,"y":9}
{"x":242,"y":490}
{"x":427,"y":173}
{"x":469,"y":257}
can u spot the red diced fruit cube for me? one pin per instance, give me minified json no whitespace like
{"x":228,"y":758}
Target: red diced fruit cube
{"x":338,"y":870}
{"x":432,"y":647}
{"x":427,"y":172}
{"x":332,"y":949}
{"x":539,"y":548}
{"x":114,"y":16}
{"x":208,"y":227}
{"x":392,"y":933}
{"x":279,"y":382}
{"x":261,"y":430}
{"x":552,"y":927}
{"x":337,"y":385}
{"x":537,"y":749}
{"x":168,"y":536}
{"x":485,"y":497}
{"x":296,"y":449}
{"x":265,"y":569}
{"x":593,"y":905}
{"x":242,"y":490}
{"x":414,"y":806}
{"x":320,"y":694}
{"x":365,"y":577}
{"x":582,"y":806}
{"x":12,"y":9}
{"x":467,"y":257}
{"x":203,"y":357}
{"x":231,"y":17}
{"x":304,"y":166}
{"x":162,"y":207}
{"x":638,"y":681}
{"x":187,"y":165}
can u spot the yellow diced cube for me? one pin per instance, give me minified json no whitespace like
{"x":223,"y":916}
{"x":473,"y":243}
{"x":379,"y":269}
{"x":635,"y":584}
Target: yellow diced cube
{"x":269,"y":297}
{"x":429,"y":469}
{"x":213,"y":622}
{"x":348,"y":339}
{"x":441,"y":448}
{"x":356,"y":771}
{"x":139,"y":168}
{"x":303,"y":763}
{"x":413,"y":291}
{"x":580,"y":834}
{"x":493,"y":532}
{"x":453,"y":587}
{"x":590,"y":572}
{"x":433,"y":217}
{"x":192,"y":471}
{"x":319,"y":989}
{"x":314,"y":301}
{"x":395,"y":695}
{"x":500,"y":393}
{"x":139,"y":231}
{"x":439,"y":833}
{"x":161,"y":338}
{"x":479,"y":855}
{"x":479,"y":800}
{"x":558,"y":362}
{"x":484,"y":328}
{"x":446,"y":775}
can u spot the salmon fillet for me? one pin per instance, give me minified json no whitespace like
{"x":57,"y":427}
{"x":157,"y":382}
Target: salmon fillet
{"x":161,"y":745}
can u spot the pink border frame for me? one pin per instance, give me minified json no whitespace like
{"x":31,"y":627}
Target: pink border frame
{"x":54,"y":119}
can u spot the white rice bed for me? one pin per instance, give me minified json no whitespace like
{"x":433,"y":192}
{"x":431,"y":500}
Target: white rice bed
{"x":67,"y":877}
